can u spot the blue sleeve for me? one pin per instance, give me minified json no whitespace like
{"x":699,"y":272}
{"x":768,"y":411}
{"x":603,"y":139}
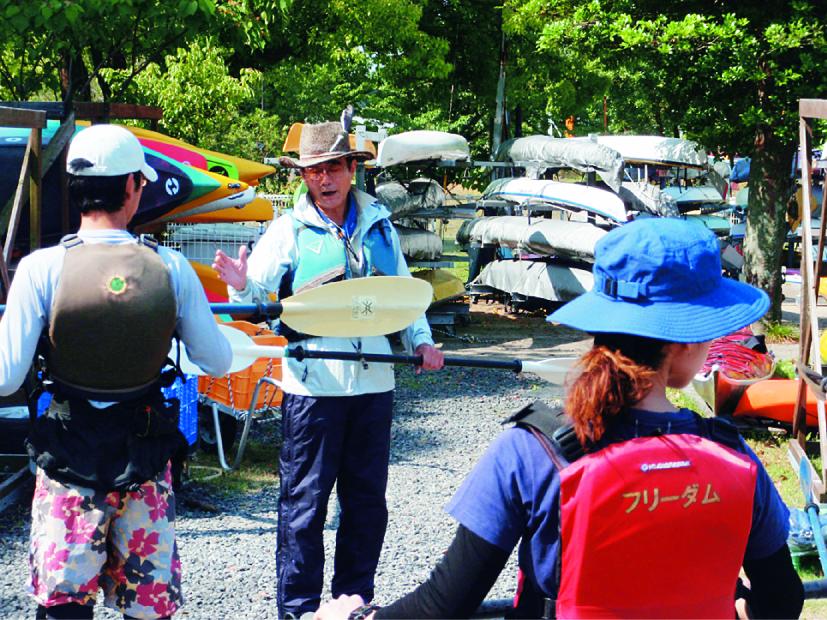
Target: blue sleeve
{"x":770,"y":516}
{"x":489,"y":500}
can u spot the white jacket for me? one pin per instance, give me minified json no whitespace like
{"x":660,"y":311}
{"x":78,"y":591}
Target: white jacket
{"x":275,"y":254}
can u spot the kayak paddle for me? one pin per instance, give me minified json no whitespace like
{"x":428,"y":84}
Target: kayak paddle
{"x":245,"y":352}
{"x":360,"y":307}
{"x":372,"y":306}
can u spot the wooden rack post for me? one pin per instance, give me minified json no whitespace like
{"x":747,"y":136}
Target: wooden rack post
{"x":808,"y":349}
{"x":30,"y":179}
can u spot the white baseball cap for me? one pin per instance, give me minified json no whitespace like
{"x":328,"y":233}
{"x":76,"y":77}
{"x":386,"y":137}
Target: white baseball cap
{"x":108,"y":151}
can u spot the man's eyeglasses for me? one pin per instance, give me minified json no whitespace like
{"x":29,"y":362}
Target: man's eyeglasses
{"x":331,"y":168}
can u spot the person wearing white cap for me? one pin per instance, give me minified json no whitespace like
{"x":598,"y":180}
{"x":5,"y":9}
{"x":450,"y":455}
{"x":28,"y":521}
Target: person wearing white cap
{"x":102,"y":309}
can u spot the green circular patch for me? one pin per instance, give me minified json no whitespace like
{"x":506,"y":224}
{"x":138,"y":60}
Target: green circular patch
{"x":116,"y":285}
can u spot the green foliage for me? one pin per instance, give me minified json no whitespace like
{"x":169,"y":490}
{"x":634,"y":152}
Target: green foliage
{"x":776,"y":331}
{"x":65,"y":45}
{"x":199,"y":98}
{"x":784,"y":369}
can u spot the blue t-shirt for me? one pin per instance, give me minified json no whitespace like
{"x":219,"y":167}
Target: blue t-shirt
{"x":513,"y":493}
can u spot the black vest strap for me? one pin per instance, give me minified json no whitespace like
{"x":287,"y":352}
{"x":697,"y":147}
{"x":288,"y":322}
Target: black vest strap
{"x":554,"y":425}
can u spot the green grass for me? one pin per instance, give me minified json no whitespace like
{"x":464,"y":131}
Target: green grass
{"x":780,"y":332}
{"x":259,"y":468}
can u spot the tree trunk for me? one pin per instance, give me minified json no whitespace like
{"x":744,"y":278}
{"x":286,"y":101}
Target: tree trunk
{"x":74,"y":78}
{"x":770,"y":187}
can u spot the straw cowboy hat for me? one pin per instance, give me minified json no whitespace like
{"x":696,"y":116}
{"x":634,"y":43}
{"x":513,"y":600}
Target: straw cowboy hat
{"x":323,"y":142}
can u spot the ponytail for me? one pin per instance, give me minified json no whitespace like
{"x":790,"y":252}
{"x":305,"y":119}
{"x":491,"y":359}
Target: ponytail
{"x":616,"y":374}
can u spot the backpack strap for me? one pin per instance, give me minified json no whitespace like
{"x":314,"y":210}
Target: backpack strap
{"x":149,"y":241}
{"x":70,"y":241}
{"x":553,"y":429}
{"x":722,"y":431}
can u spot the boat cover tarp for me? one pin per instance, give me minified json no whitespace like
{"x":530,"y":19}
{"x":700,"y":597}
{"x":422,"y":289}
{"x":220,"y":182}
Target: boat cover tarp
{"x":413,"y":196}
{"x":567,"y":196}
{"x":648,"y":198}
{"x":536,"y":279}
{"x":544,"y":152}
{"x":418,"y":244}
{"x":657,"y":150}
{"x":544,"y":237}
{"x":422,"y":145}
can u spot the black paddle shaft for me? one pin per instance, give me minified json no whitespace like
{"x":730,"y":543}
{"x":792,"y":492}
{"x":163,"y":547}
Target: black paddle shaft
{"x":269,"y":310}
{"x":299,"y":353}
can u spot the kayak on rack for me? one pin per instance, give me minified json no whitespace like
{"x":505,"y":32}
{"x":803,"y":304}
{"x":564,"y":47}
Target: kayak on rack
{"x":566,"y":196}
{"x":422,"y":145}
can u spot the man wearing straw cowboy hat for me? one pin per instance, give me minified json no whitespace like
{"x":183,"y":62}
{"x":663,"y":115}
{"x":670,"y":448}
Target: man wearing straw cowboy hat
{"x":336,"y":415}
{"x":107,"y":306}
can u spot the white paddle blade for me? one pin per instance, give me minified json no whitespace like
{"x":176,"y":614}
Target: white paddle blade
{"x":245,"y":352}
{"x":554,"y":369}
{"x":372,"y":306}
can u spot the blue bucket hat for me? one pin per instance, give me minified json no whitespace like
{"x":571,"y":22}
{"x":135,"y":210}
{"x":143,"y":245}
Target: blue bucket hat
{"x":661,"y":278}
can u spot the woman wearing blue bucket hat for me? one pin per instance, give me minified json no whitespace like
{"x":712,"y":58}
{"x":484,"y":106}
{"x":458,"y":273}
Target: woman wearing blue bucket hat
{"x":624,"y":506}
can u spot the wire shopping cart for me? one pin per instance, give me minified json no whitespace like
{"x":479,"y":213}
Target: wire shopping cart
{"x":244,"y":394}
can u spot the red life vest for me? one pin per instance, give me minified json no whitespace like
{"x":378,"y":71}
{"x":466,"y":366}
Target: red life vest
{"x":654,"y":527}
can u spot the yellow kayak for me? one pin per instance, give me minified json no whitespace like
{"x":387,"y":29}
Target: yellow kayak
{"x":257,"y":210}
{"x":229,"y":193}
{"x":227,"y":165}
{"x":445,"y":284}
{"x":294,"y":134}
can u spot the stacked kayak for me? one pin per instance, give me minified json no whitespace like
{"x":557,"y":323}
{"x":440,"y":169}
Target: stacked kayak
{"x":192,"y":182}
{"x":534,"y":280}
{"x":536,"y":236}
{"x":522,"y":191}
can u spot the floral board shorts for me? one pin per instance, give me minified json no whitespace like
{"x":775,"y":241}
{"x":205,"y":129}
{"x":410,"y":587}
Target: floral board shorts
{"x":123,"y":542}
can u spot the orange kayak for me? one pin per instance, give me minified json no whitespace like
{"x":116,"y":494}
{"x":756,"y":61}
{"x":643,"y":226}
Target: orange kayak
{"x":774,"y":399}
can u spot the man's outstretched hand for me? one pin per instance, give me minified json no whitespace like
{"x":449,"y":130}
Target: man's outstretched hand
{"x":232,"y":271}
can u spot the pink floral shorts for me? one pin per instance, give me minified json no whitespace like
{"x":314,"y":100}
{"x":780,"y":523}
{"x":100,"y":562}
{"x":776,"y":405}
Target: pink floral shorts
{"x":83,"y":539}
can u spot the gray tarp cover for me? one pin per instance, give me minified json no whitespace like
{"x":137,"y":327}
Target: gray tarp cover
{"x":415,"y":195}
{"x":542,"y":236}
{"x":546,"y":152}
{"x":418,"y":244}
{"x":536,"y":279}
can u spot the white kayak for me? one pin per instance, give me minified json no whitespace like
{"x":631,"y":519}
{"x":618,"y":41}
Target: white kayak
{"x":568,"y":196}
{"x":421,"y":145}
{"x":656,"y":150}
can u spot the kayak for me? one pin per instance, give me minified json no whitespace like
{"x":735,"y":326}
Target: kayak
{"x":219,"y":163}
{"x":225,"y":193}
{"x":775,"y":400}
{"x":538,"y":236}
{"x":294,"y":134}
{"x":214,"y":287}
{"x":177,"y":183}
{"x":257,"y":210}
{"x":568,"y":196}
{"x":178,"y":153}
{"x":445,"y":284}
{"x":201,"y":207}
{"x":422,"y":145}
{"x":535,"y":279}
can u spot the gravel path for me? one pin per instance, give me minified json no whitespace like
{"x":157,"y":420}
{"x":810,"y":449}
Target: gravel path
{"x":443,"y":423}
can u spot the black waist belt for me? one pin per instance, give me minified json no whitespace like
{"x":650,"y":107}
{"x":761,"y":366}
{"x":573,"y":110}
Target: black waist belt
{"x":113,"y":449}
